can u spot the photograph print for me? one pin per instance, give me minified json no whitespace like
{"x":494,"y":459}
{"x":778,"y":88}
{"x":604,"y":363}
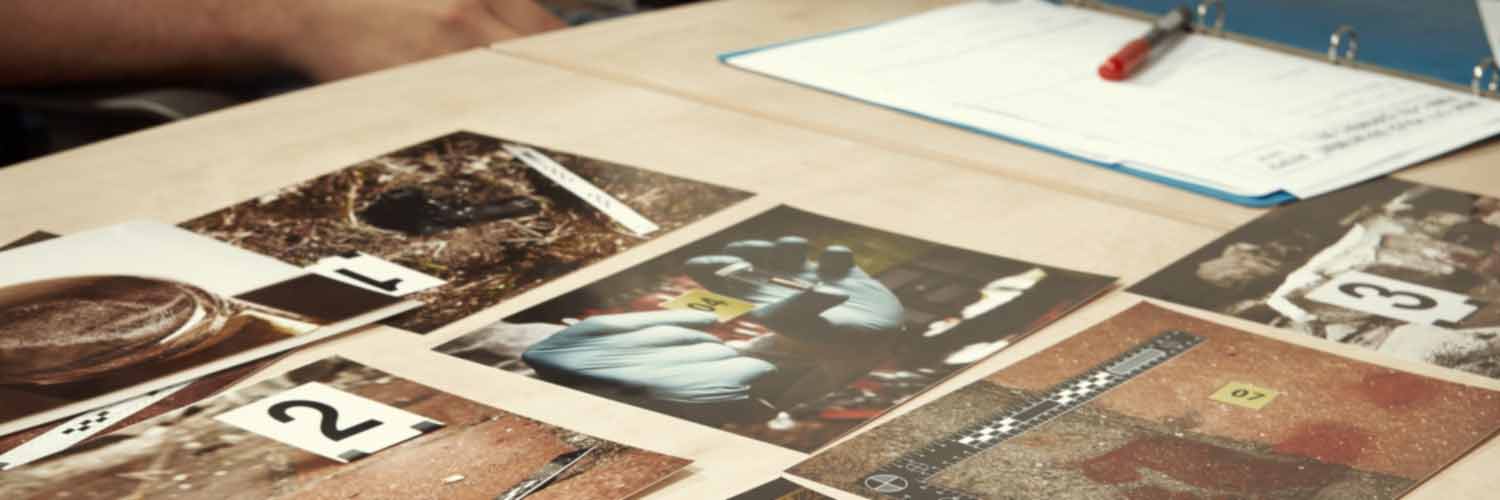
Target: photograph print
{"x":483,"y":219}
{"x":389,"y":438}
{"x":1401,"y":268}
{"x":790,"y":327}
{"x":1155,"y":404}
{"x":111,"y":313}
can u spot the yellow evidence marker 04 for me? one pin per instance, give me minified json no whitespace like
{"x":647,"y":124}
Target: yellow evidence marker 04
{"x":1244,"y":395}
{"x":725,"y":307}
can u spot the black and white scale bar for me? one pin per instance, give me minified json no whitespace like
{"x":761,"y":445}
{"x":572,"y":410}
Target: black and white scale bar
{"x":906,"y":477}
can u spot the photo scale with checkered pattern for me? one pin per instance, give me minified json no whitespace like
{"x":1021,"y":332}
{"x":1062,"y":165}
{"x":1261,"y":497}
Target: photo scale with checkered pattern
{"x":906,"y":477}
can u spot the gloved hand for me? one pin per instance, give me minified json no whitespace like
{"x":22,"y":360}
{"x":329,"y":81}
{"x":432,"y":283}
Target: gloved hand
{"x":653,"y":354}
{"x":847,"y":305}
{"x":825,"y":337}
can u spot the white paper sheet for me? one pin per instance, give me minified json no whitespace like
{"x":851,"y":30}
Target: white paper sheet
{"x":1231,"y":116}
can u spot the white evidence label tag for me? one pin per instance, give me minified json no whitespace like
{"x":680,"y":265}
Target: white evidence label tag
{"x":329,"y":422}
{"x":1395,"y":299}
{"x":81,"y":427}
{"x":374,"y":274}
{"x":584,"y":189}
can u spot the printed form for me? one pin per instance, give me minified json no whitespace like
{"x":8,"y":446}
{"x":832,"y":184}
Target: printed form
{"x":1234,"y":117}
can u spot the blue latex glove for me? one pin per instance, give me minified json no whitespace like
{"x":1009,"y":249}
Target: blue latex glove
{"x":655,"y":354}
{"x":847,"y":305}
{"x":825,"y":337}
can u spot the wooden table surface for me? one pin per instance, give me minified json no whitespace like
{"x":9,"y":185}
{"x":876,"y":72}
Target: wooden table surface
{"x":646,"y":91}
{"x":675,"y":51}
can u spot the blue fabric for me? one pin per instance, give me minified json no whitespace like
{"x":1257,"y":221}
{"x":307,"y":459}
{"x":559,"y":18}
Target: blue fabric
{"x":1439,"y":39}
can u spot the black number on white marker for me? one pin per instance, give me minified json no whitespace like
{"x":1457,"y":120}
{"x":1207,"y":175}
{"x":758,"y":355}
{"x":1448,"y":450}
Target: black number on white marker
{"x":707,"y":305}
{"x":389,"y":285}
{"x":1352,"y":289}
{"x":327,"y":421}
{"x":373,"y":273}
{"x":328,"y":418}
{"x":1245,"y":393}
{"x":1395,"y":299}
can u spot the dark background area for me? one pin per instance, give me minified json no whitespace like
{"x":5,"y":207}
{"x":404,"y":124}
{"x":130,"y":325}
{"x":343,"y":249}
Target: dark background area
{"x":38,"y":121}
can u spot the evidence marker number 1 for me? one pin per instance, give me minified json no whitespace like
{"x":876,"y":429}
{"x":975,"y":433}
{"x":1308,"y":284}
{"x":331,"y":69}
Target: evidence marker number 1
{"x":906,"y":477}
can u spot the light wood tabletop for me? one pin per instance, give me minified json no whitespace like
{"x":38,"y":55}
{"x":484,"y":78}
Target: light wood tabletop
{"x":675,"y":51}
{"x":646,"y":91}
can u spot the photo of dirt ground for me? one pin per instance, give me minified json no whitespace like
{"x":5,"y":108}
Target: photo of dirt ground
{"x":480,"y":453}
{"x":463,"y":209}
{"x":1339,"y":428}
{"x":1437,"y":238}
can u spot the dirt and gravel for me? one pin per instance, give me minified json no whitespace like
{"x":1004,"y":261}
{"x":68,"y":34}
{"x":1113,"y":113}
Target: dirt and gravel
{"x":462,"y":208}
{"x":1337,"y":429}
{"x":479,"y":453}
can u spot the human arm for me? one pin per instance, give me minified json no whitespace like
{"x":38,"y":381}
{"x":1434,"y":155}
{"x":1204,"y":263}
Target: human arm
{"x":48,"y":42}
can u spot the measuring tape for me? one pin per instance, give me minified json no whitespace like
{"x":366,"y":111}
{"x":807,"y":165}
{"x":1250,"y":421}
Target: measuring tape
{"x":906,"y":478}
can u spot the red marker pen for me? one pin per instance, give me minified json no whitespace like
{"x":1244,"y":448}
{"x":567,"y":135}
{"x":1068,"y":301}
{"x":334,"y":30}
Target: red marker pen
{"x":1128,"y":58}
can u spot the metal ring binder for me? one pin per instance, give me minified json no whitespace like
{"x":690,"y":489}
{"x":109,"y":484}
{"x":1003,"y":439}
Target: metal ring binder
{"x":1336,"y":40}
{"x":1494,"y":85}
{"x":1203,"y":7}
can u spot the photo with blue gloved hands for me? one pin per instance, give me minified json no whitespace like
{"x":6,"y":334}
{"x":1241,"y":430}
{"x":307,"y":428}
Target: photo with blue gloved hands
{"x":790,"y":327}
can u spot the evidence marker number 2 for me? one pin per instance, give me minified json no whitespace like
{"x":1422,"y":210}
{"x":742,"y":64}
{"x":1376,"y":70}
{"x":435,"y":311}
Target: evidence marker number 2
{"x":906,"y":477}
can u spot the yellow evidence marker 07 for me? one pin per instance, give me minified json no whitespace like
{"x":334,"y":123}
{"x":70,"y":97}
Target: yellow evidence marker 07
{"x":725,"y":307}
{"x":1244,"y":395}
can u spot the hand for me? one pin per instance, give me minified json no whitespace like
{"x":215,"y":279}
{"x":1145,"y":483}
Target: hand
{"x":331,"y":40}
{"x":656,"y":353}
{"x":825,"y":337}
{"x":845,"y":306}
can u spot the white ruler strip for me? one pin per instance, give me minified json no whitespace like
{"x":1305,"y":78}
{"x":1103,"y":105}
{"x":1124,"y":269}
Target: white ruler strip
{"x":590,"y":193}
{"x":80,"y":427}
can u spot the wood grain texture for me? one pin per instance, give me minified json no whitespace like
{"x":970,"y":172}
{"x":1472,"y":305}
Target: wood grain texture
{"x":658,"y":100}
{"x":676,"y":52}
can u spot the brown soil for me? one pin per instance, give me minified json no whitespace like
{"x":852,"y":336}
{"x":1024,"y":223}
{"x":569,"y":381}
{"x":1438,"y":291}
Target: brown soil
{"x":1339,"y":428}
{"x":462,"y":177}
{"x":1093,"y":454}
{"x":189,"y":454}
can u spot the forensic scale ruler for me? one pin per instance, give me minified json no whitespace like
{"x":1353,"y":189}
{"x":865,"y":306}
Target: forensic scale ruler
{"x":906,"y":478}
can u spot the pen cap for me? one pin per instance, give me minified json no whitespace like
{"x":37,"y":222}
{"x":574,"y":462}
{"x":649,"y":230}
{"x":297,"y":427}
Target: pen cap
{"x":1123,"y":62}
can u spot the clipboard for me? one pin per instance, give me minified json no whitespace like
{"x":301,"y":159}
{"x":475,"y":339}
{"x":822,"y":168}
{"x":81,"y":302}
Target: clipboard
{"x":1447,"y":48}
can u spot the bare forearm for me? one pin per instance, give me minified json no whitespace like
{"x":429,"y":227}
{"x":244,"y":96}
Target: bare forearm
{"x":51,"y":41}
{"x":48,"y":41}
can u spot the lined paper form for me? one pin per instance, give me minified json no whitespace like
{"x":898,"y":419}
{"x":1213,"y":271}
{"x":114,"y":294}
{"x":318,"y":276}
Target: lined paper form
{"x":1230,"y":116}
